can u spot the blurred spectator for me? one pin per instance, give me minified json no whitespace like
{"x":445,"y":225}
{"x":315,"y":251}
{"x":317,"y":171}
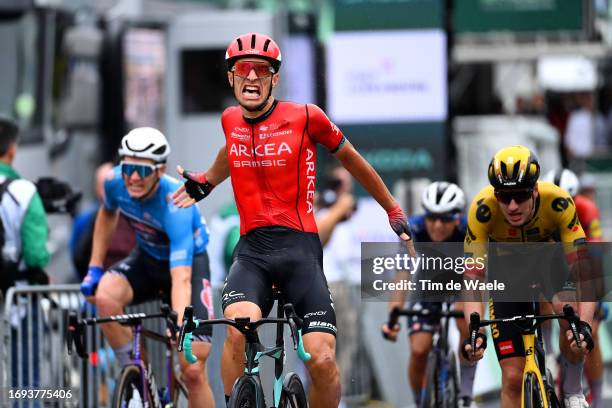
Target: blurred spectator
{"x":123,"y":241}
{"x":586,"y":131}
{"x":335,"y":202}
{"x":557,"y":113}
{"x":24,"y":224}
{"x":23,"y":256}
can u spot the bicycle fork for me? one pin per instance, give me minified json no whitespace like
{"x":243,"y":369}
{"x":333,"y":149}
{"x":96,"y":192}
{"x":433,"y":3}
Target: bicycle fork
{"x":147,"y":379}
{"x":531,"y":366}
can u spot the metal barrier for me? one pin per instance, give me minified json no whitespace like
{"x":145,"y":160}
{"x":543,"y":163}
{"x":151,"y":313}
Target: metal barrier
{"x":33,"y":351}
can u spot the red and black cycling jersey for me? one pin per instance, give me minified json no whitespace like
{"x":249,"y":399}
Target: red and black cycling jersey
{"x":272,"y":162}
{"x":588,"y":214}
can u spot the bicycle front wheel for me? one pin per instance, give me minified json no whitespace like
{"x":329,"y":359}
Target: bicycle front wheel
{"x":129,"y":391}
{"x":532,"y":393}
{"x":246,"y":393}
{"x":450,"y":393}
{"x":429,"y":392}
{"x":293,"y":394}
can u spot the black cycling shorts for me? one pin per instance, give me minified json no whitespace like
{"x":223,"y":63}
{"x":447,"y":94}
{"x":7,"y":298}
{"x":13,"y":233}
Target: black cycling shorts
{"x":507,"y":337}
{"x":290,"y":260}
{"x":428,"y":324}
{"x":150,"y":279}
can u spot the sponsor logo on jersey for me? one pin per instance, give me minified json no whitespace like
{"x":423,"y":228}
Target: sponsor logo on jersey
{"x":263,"y":150}
{"x":559,"y":204}
{"x":310,"y":179}
{"x":334,"y":128}
{"x":178,"y":255}
{"x":259,"y":163}
{"x":512,"y":232}
{"x":574,"y":224}
{"x":469,"y":237}
{"x":272,"y":130}
{"x":241,"y":133}
{"x":275,"y":134}
{"x":483,"y":212}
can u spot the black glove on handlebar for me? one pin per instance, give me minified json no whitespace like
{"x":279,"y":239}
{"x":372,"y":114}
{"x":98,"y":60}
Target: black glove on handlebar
{"x":467,"y":341}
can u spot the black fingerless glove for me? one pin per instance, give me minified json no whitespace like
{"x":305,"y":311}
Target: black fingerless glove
{"x":467,"y":341}
{"x":196,"y":185}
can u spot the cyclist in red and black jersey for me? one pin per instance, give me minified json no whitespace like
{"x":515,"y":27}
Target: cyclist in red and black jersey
{"x":270,"y":154}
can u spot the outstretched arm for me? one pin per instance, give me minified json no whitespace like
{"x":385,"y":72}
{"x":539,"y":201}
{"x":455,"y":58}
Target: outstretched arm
{"x":365,"y":174}
{"x":371,"y":181}
{"x":207,"y":180}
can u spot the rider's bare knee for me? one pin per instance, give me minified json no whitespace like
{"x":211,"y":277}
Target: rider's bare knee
{"x":194,"y":375}
{"x":512,"y":379}
{"x":419,"y":351}
{"x":235,"y":339}
{"x":323,"y":367}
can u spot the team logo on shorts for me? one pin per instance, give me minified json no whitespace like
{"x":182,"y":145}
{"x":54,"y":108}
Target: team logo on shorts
{"x":506,"y":347}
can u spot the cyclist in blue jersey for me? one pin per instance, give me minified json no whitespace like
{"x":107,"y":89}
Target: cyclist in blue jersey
{"x":169,"y":261}
{"x":442,"y":221}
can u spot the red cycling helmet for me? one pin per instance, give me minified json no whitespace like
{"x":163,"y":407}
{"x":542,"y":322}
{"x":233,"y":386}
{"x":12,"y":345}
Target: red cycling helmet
{"x":253,"y":45}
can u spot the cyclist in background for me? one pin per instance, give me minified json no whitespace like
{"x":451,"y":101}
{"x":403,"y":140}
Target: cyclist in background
{"x":169,"y":261}
{"x":518,"y":208}
{"x":442,"y":221}
{"x":270,"y":153}
{"x":588,"y":214}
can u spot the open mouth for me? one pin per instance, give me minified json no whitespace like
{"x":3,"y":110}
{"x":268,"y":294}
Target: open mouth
{"x":515,"y":216}
{"x":251,"y":91}
{"x":136,"y":187}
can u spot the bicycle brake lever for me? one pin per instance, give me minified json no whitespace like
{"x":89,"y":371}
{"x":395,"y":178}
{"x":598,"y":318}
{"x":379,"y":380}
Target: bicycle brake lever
{"x":573,"y":320}
{"x":295,"y":323}
{"x":474,"y":327}
{"x":187,"y":327}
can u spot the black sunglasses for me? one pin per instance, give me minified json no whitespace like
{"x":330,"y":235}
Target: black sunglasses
{"x":519,"y":196}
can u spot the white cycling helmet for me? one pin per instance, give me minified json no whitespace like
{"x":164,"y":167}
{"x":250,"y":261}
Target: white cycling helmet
{"x":145,"y":143}
{"x":564,"y":178}
{"x":442,"y":197}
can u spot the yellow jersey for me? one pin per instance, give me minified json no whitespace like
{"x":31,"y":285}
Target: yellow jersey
{"x":554,"y":219}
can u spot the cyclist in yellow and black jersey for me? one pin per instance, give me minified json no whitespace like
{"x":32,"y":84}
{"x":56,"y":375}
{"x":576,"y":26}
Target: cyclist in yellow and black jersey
{"x":554,"y":212}
{"x":518,"y":208}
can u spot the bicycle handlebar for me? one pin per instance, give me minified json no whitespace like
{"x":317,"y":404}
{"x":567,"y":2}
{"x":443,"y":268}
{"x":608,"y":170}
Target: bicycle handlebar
{"x":243,"y":325}
{"x":75,"y":334}
{"x":396,"y":312}
{"x":568,"y":314}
